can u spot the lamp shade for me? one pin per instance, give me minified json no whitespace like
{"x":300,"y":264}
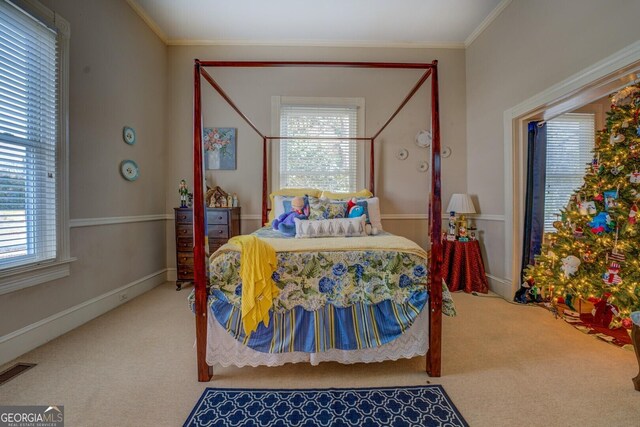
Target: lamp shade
{"x":461,"y":203}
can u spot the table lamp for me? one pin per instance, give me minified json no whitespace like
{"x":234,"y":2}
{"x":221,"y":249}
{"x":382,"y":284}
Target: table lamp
{"x":461,"y":204}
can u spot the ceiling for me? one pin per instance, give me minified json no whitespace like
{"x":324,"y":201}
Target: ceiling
{"x":403,"y":23}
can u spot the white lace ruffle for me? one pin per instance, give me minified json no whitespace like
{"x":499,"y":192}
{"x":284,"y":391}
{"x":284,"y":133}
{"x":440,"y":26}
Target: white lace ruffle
{"x":223,"y":349}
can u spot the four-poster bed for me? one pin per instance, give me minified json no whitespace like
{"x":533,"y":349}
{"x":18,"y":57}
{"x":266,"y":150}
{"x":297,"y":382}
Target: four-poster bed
{"x":204,"y":318}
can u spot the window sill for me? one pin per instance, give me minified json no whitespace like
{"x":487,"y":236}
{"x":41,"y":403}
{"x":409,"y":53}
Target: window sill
{"x":25,"y":277}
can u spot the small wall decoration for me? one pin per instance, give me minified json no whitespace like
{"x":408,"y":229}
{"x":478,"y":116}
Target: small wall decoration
{"x":402,"y":154}
{"x":129,"y":135}
{"x":219,"y":148}
{"x":129,"y":170}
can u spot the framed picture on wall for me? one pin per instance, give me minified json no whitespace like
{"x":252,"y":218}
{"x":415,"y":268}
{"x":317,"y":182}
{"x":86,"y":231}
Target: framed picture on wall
{"x":219,"y":148}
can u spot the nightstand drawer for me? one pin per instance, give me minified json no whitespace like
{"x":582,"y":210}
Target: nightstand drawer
{"x":184,"y":231}
{"x":185,"y":258}
{"x":218,"y":217}
{"x":185,"y":272}
{"x":214,"y":244}
{"x":184,"y":244}
{"x":218,"y":231}
{"x":184,"y":217}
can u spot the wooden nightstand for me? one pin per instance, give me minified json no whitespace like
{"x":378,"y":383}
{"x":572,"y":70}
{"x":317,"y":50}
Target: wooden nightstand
{"x":222,"y":224}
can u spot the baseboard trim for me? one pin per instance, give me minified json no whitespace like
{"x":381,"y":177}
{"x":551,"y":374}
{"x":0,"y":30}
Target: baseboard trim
{"x":23,"y":340}
{"x":172,"y":274}
{"x":501,"y":287}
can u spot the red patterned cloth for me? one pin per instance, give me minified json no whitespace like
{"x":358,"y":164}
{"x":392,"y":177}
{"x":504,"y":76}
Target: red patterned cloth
{"x":462,"y":267}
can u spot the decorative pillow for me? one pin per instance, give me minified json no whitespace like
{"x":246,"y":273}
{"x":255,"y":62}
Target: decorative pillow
{"x":337,"y":227}
{"x":277,"y":197}
{"x":362,"y":194}
{"x":373,"y":211}
{"x":323,"y":208}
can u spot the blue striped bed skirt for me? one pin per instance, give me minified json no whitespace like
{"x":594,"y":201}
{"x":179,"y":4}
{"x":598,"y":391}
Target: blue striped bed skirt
{"x":345,"y":328}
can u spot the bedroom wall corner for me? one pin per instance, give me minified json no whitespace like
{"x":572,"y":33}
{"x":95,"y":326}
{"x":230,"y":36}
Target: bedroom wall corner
{"x":527,"y":49}
{"x":118,"y":233}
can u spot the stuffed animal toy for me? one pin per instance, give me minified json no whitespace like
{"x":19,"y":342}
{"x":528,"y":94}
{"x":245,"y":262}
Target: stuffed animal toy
{"x":285,"y":222}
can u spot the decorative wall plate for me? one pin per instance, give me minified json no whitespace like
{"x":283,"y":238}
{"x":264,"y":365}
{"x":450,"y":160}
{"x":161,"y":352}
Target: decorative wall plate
{"x":423,"y":139}
{"x":129,"y":170}
{"x":446,"y":152}
{"x":129,"y":135}
{"x":402,"y":153}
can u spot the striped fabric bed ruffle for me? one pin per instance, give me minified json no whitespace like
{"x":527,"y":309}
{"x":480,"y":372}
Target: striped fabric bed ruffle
{"x":355,"y":327}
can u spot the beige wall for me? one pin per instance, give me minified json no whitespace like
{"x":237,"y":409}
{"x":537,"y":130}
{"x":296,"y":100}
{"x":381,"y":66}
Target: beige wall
{"x":117,"y":78}
{"x":527,"y":49}
{"x":402,"y":188}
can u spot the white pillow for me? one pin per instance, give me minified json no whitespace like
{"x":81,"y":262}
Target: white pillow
{"x":336,"y":227}
{"x":373,"y":207}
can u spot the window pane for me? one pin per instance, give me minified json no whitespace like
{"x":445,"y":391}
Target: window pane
{"x":570,"y":143}
{"x":328,"y":164}
{"x":28,"y":138}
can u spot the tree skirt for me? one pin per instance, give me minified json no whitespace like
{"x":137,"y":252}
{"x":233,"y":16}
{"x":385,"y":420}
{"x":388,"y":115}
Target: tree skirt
{"x":584,"y":322}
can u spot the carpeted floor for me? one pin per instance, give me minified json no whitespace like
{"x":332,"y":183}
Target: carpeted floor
{"x":503,"y":365}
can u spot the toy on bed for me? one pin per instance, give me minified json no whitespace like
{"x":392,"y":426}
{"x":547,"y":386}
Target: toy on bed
{"x":285,"y":222}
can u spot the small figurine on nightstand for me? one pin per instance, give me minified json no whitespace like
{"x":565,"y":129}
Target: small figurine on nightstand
{"x":472,"y":233}
{"x":234,"y":200}
{"x":451,"y":233}
{"x":462,"y":233}
{"x":184,"y":193}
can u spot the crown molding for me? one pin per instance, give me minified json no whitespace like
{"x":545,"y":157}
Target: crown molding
{"x":486,"y":22}
{"x":318,"y":43}
{"x":147,"y":20}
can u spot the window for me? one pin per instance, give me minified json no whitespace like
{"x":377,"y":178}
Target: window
{"x":310,"y":161}
{"x":33,"y":211}
{"x":570,"y":143}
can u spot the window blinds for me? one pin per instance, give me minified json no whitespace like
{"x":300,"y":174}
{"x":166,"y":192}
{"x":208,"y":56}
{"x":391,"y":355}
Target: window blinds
{"x":570,"y":143}
{"x":328,"y":164}
{"x":28,"y":136}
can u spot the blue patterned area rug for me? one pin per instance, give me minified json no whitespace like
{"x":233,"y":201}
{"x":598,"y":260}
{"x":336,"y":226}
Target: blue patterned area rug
{"x":390,"y":406}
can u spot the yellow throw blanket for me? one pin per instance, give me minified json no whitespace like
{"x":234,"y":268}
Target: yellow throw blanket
{"x":257,"y":264}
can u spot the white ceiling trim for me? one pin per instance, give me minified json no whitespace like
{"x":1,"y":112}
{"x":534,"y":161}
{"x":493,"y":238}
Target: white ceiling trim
{"x":316,"y":43}
{"x":320,"y":43}
{"x":147,"y":20}
{"x":487,"y":21}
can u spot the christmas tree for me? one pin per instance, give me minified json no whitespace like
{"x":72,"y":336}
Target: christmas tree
{"x":594,"y":253}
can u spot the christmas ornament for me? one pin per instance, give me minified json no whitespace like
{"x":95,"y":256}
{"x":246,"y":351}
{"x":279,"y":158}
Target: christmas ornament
{"x":570,"y":265}
{"x":611,"y":277}
{"x":627,"y":323}
{"x":638,"y":131}
{"x":587,"y":207}
{"x":557,"y":225}
{"x":634,"y":177}
{"x":610,"y":197}
{"x":601,"y":223}
{"x":578,"y":233}
{"x":595,"y":164}
{"x":617,"y":138}
{"x":588,"y":257}
{"x":633,"y":213}
{"x":625,"y":124}
{"x":598,"y":197}
{"x":615,"y":170}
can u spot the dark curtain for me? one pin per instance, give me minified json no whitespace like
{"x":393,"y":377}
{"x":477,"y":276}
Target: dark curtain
{"x":534,"y":207}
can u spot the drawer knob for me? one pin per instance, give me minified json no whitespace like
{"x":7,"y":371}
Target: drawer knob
{"x":219,"y":231}
{"x":220,"y":218}
{"x":183,"y":217}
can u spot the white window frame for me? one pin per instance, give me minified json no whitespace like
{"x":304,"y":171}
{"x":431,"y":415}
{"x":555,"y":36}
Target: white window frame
{"x":277,"y":101}
{"x":15,"y":278}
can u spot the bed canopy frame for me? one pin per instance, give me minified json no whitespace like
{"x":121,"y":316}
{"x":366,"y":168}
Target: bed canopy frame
{"x":433,"y":357}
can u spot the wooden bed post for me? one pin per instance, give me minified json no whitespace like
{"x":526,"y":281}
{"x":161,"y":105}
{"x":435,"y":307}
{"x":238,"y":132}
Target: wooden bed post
{"x":434,"y":354}
{"x":205,"y":372}
{"x":372,"y":167}
{"x":264,"y":181}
